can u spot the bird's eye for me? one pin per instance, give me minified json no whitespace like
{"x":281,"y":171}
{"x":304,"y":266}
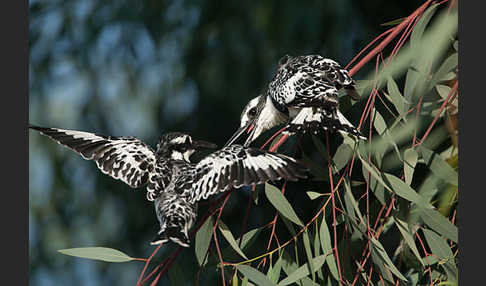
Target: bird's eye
{"x":252,"y":112}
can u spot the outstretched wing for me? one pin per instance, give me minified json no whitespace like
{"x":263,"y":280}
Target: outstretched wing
{"x":236,"y":166}
{"x":124,"y":158}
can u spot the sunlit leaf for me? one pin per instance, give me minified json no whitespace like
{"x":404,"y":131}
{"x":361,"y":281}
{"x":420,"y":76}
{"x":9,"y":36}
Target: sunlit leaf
{"x":97,"y":253}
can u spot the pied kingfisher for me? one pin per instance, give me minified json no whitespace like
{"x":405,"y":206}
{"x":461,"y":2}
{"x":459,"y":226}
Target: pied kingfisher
{"x":172,"y":181}
{"x":304,"y":93}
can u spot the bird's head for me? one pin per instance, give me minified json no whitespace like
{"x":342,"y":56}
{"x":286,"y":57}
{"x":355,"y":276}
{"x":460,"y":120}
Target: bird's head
{"x":180,"y":146}
{"x":258,"y":116}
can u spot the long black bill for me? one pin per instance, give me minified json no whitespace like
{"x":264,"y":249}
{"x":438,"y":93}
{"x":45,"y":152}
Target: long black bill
{"x":200,"y":144}
{"x":242,"y":131}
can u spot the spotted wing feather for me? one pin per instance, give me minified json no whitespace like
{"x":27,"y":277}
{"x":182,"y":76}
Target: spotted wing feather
{"x":312,"y":80}
{"x":236,"y":166}
{"x":125,"y":158}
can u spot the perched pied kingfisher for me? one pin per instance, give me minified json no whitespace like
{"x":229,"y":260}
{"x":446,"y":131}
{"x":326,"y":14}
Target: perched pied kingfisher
{"x":303,"y":91}
{"x":172,"y":181}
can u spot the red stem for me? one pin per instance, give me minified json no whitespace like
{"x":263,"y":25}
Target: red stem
{"x":388,"y":39}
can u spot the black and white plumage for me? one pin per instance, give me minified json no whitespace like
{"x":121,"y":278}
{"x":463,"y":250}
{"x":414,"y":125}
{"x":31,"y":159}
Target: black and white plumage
{"x":304,"y":93}
{"x":172,"y":181}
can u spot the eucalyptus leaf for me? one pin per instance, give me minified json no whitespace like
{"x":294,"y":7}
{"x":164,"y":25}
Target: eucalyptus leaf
{"x":303,"y":271}
{"x":97,"y":253}
{"x":254,"y":275}
{"x":410,"y":157}
{"x":278,"y":200}
{"x":436,"y":221}
{"x":230,"y":238}
{"x":203,"y":239}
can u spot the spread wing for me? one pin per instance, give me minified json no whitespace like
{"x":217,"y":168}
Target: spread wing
{"x":236,"y":166}
{"x":124,"y":158}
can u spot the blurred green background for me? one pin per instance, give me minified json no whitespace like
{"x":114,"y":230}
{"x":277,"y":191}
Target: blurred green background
{"x":143,"y":68}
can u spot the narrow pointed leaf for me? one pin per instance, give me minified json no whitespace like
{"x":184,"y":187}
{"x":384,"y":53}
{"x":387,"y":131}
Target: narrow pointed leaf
{"x":254,"y":275}
{"x":410,"y":158}
{"x":400,"y":188}
{"x":327,"y":249}
{"x":381,"y":252}
{"x":407,"y":235}
{"x":303,"y":271}
{"x":203,"y":239}
{"x":230,"y":238}
{"x":439,"y":223}
{"x":419,"y":28}
{"x":274,"y":273}
{"x":396,"y":97}
{"x":314,"y":195}
{"x":438,"y":166}
{"x":278,"y":200}
{"x":97,"y":253}
{"x":442,"y":250}
{"x":308,"y":253}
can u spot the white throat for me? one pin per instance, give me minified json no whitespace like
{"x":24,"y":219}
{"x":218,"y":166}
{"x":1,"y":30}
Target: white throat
{"x":268,"y":118}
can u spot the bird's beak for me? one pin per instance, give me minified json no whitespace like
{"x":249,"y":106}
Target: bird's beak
{"x":242,"y":131}
{"x":200,"y":144}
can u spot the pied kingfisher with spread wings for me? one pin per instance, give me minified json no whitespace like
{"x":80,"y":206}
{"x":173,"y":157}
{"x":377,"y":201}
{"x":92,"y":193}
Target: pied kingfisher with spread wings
{"x":172,"y":181}
{"x":304,"y":93}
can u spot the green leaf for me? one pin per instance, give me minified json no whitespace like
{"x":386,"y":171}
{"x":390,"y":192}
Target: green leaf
{"x":410,"y":157}
{"x":443,"y":90}
{"x":448,"y":65}
{"x":203,"y":239}
{"x":378,"y":248}
{"x":438,"y":166}
{"x":249,"y":237}
{"x":456,"y":45}
{"x":403,"y":190}
{"x":419,"y":28}
{"x":303,"y":271}
{"x":281,"y":204}
{"x":442,"y":250}
{"x":342,"y":156}
{"x":407,"y":235}
{"x":97,"y":253}
{"x":393,"y":22}
{"x":315,"y":195}
{"x":254,"y":275}
{"x":230,"y":238}
{"x":327,"y":249}
{"x":235,"y":280}
{"x":274,"y":272}
{"x":396,"y":97}
{"x":439,"y":223}
{"x":308,"y":253}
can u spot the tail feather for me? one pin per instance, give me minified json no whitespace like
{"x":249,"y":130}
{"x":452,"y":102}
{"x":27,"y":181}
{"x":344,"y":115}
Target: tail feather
{"x":315,"y":121}
{"x":171,"y":233}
